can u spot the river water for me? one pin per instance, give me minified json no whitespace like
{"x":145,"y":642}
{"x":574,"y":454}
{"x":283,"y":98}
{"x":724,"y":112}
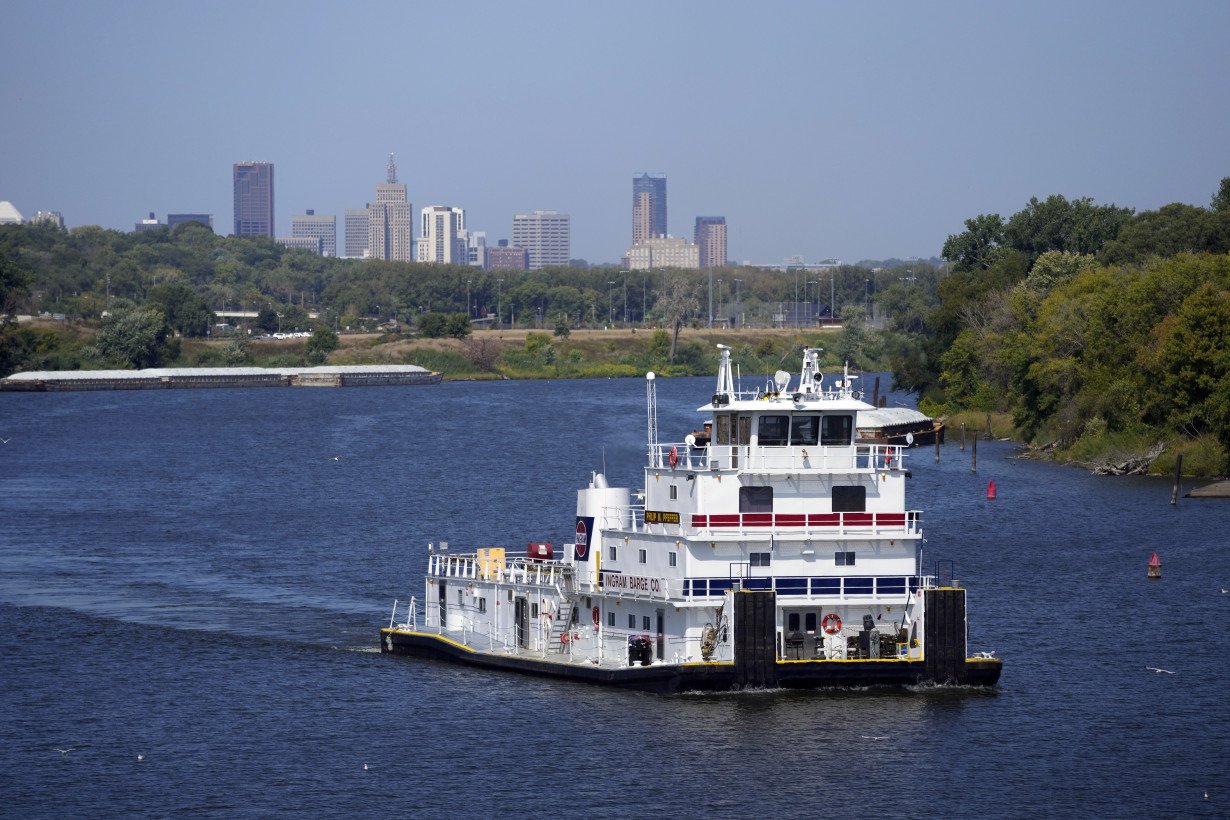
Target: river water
{"x":198,"y":577}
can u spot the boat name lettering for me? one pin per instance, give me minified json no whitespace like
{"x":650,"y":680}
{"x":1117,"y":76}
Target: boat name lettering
{"x":659,"y":517}
{"x":635,"y":583}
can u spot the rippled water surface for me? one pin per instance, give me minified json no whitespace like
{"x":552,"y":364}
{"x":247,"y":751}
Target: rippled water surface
{"x":198,"y":577}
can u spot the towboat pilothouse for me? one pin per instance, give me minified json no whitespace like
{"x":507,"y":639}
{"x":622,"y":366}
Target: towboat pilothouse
{"x":769,"y":548}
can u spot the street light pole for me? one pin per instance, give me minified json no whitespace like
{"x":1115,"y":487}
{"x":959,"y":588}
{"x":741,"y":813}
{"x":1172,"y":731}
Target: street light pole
{"x":738,"y":305}
{"x":625,"y":300}
{"x":710,"y":297}
{"x":499,"y":301}
{"x":610,"y":302}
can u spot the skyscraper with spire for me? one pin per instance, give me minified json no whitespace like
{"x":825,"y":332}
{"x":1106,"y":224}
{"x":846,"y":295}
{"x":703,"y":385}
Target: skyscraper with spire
{"x":390,"y":228}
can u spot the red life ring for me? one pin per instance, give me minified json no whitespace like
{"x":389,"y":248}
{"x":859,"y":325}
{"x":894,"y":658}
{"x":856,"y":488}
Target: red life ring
{"x":674,"y":457}
{"x":888,"y":459}
{"x":565,"y":637}
{"x":597,"y":617}
{"x":831,"y":624}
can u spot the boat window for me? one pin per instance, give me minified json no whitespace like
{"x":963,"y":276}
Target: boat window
{"x":804,"y":430}
{"x":835,"y":431}
{"x":482,"y":604}
{"x":641,"y":557}
{"x":849,"y":499}
{"x":645,"y":623}
{"x":631,"y":621}
{"x":674,"y":491}
{"x":792,"y":622}
{"x":755,"y":499}
{"x":760,"y":559}
{"x":843,"y":559}
{"x":534,"y":610}
{"x":614,"y":552}
{"x":773,"y":431}
{"x":810,"y":622}
{"x":610,"y":618}
{"x":723,"y":428}
{"x":461,"y":597}
{"x":745,"y":430}
{"x":674,"y":558}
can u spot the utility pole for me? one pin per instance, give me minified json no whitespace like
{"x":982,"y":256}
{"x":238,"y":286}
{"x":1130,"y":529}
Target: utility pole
{"x":710,"y":297}
{"x":625,"y":299}
{"x":610,"y":302}
{"x":499,"y":301}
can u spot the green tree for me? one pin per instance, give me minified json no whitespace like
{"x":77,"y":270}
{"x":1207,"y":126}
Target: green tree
{"x":975,"y":248}
{"x":132,"y":338}
{"x":853,"y":334}
{"x":267,"y":319}
{"x":458,"y":326}
{"x":185,"y":311}
{"x":677,"y":302}
{"x":14,"y":284}
{"x":562,"y":330}
{"x":1221,"y":199}
{"x":320,"y":345}
{"x":433,"y":325}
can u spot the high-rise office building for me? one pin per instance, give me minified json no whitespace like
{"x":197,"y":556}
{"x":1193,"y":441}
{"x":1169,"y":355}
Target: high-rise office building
{"x":320,"y":226}
{"x":48,"y":217}
{"x":502,"y":257}
{"x":710,"y":237}
{"x":307,"y":243}
{"x":663,"y":252}
{"x":390,"y":228}
{"x":648,"y":207}
{"x":442,"y":236}
{"x":356,"y":233}
{"x":253,"y":198}
{"x":546,"y":237}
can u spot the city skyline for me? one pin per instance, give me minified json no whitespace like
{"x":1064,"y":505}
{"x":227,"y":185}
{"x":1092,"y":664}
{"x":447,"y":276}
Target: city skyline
{"x":860,"y":132}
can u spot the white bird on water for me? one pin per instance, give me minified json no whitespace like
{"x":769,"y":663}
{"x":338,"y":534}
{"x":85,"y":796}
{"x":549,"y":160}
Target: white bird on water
{"x":364,"y":767}
{"x":140,"y":758}
{"x":7,"y":440}
{"x":64,"y":752}
{"x":1159,"y":671}
{"x":874,"y":737}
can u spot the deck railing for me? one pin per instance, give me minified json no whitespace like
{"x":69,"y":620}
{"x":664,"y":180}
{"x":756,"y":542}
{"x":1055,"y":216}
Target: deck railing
{"x":848,"y":458}
{"x":505,"y":570}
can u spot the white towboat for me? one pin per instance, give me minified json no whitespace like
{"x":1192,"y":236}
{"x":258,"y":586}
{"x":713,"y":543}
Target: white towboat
{"x":775,"y":551}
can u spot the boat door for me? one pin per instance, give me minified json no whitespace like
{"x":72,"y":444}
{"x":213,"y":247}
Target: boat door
{"x":661,"y":634}
{"x":521,"y":615}
{"x":443,"y":597}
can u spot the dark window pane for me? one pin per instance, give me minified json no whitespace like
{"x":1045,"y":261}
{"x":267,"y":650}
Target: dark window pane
{"x":835,"y":431}
{"x":773,"y":431}
{"x":755,"y":499}
{"x":804,"y":430}
{"x":849,"y":499}
{"x":810,"y":622}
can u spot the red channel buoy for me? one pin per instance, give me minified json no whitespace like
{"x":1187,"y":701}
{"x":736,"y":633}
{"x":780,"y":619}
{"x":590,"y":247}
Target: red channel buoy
{"x":991,"y":490}
{"x":1155,"y":566}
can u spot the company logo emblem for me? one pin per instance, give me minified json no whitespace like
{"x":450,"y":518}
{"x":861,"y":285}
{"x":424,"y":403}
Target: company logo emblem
{"x":582,"y":545}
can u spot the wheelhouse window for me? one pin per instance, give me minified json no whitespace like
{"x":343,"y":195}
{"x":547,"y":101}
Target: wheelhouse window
{"x":849,"y":499}
{"x":674,"y":491}
{"x":760,"y":559}
{"x":836,"y":431}
{"x":804,"y":430}
{"x":774,"y":431}
{"x":614,"y":553}
{"x":843,"y":559}
{"x":755,"y":499}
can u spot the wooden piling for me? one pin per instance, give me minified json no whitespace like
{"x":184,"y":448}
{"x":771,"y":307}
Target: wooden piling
{"x":875,"y":394}
{"x":963,"y":437}
{"x":1178,"y":477}
{"x":989,"y":427}
{"x":973,"y":458}
{"x":937,"y":449}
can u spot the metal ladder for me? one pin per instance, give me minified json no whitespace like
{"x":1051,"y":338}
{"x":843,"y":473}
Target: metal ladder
{"x":561,"y":622}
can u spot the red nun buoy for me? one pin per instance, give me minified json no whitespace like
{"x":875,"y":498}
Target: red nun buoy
{"x":991,"y":490}
{"x":1155,"y":566}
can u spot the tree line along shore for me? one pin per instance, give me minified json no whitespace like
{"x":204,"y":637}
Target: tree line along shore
{"x":1092,"y":333}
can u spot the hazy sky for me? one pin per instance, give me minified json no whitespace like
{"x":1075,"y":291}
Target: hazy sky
{"x":828,"y":129}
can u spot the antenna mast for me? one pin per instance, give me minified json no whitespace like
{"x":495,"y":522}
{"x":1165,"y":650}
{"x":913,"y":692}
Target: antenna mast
{"x":392,"y":169}
{"x":651,"y":400}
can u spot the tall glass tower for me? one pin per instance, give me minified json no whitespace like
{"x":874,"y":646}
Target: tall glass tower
{"x":648,"y":206}
{"x":253,"y":199}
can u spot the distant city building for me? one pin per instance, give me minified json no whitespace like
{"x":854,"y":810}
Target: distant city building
{"x":151,"y":224}
{"x":356,"y":233}
{"x":663,"y":252}
{"x":504,"y":257}
{"x":476,"y":249}
{"x":648,"y":207}
{"x":546,"y":237}
{"x":9,"y":215}
{"x":179,"y":219}
{"x":48,"y":218}
{"x":253,"y":198}
{"x":710,"y":237}
{"x":390,"y":228}
{"x":321,"y":227}
{"x":308,"y":243}
{"x":442,"y":236}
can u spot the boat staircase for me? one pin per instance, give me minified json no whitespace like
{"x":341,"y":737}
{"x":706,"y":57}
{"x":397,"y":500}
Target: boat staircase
{"x":561,"y":624}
